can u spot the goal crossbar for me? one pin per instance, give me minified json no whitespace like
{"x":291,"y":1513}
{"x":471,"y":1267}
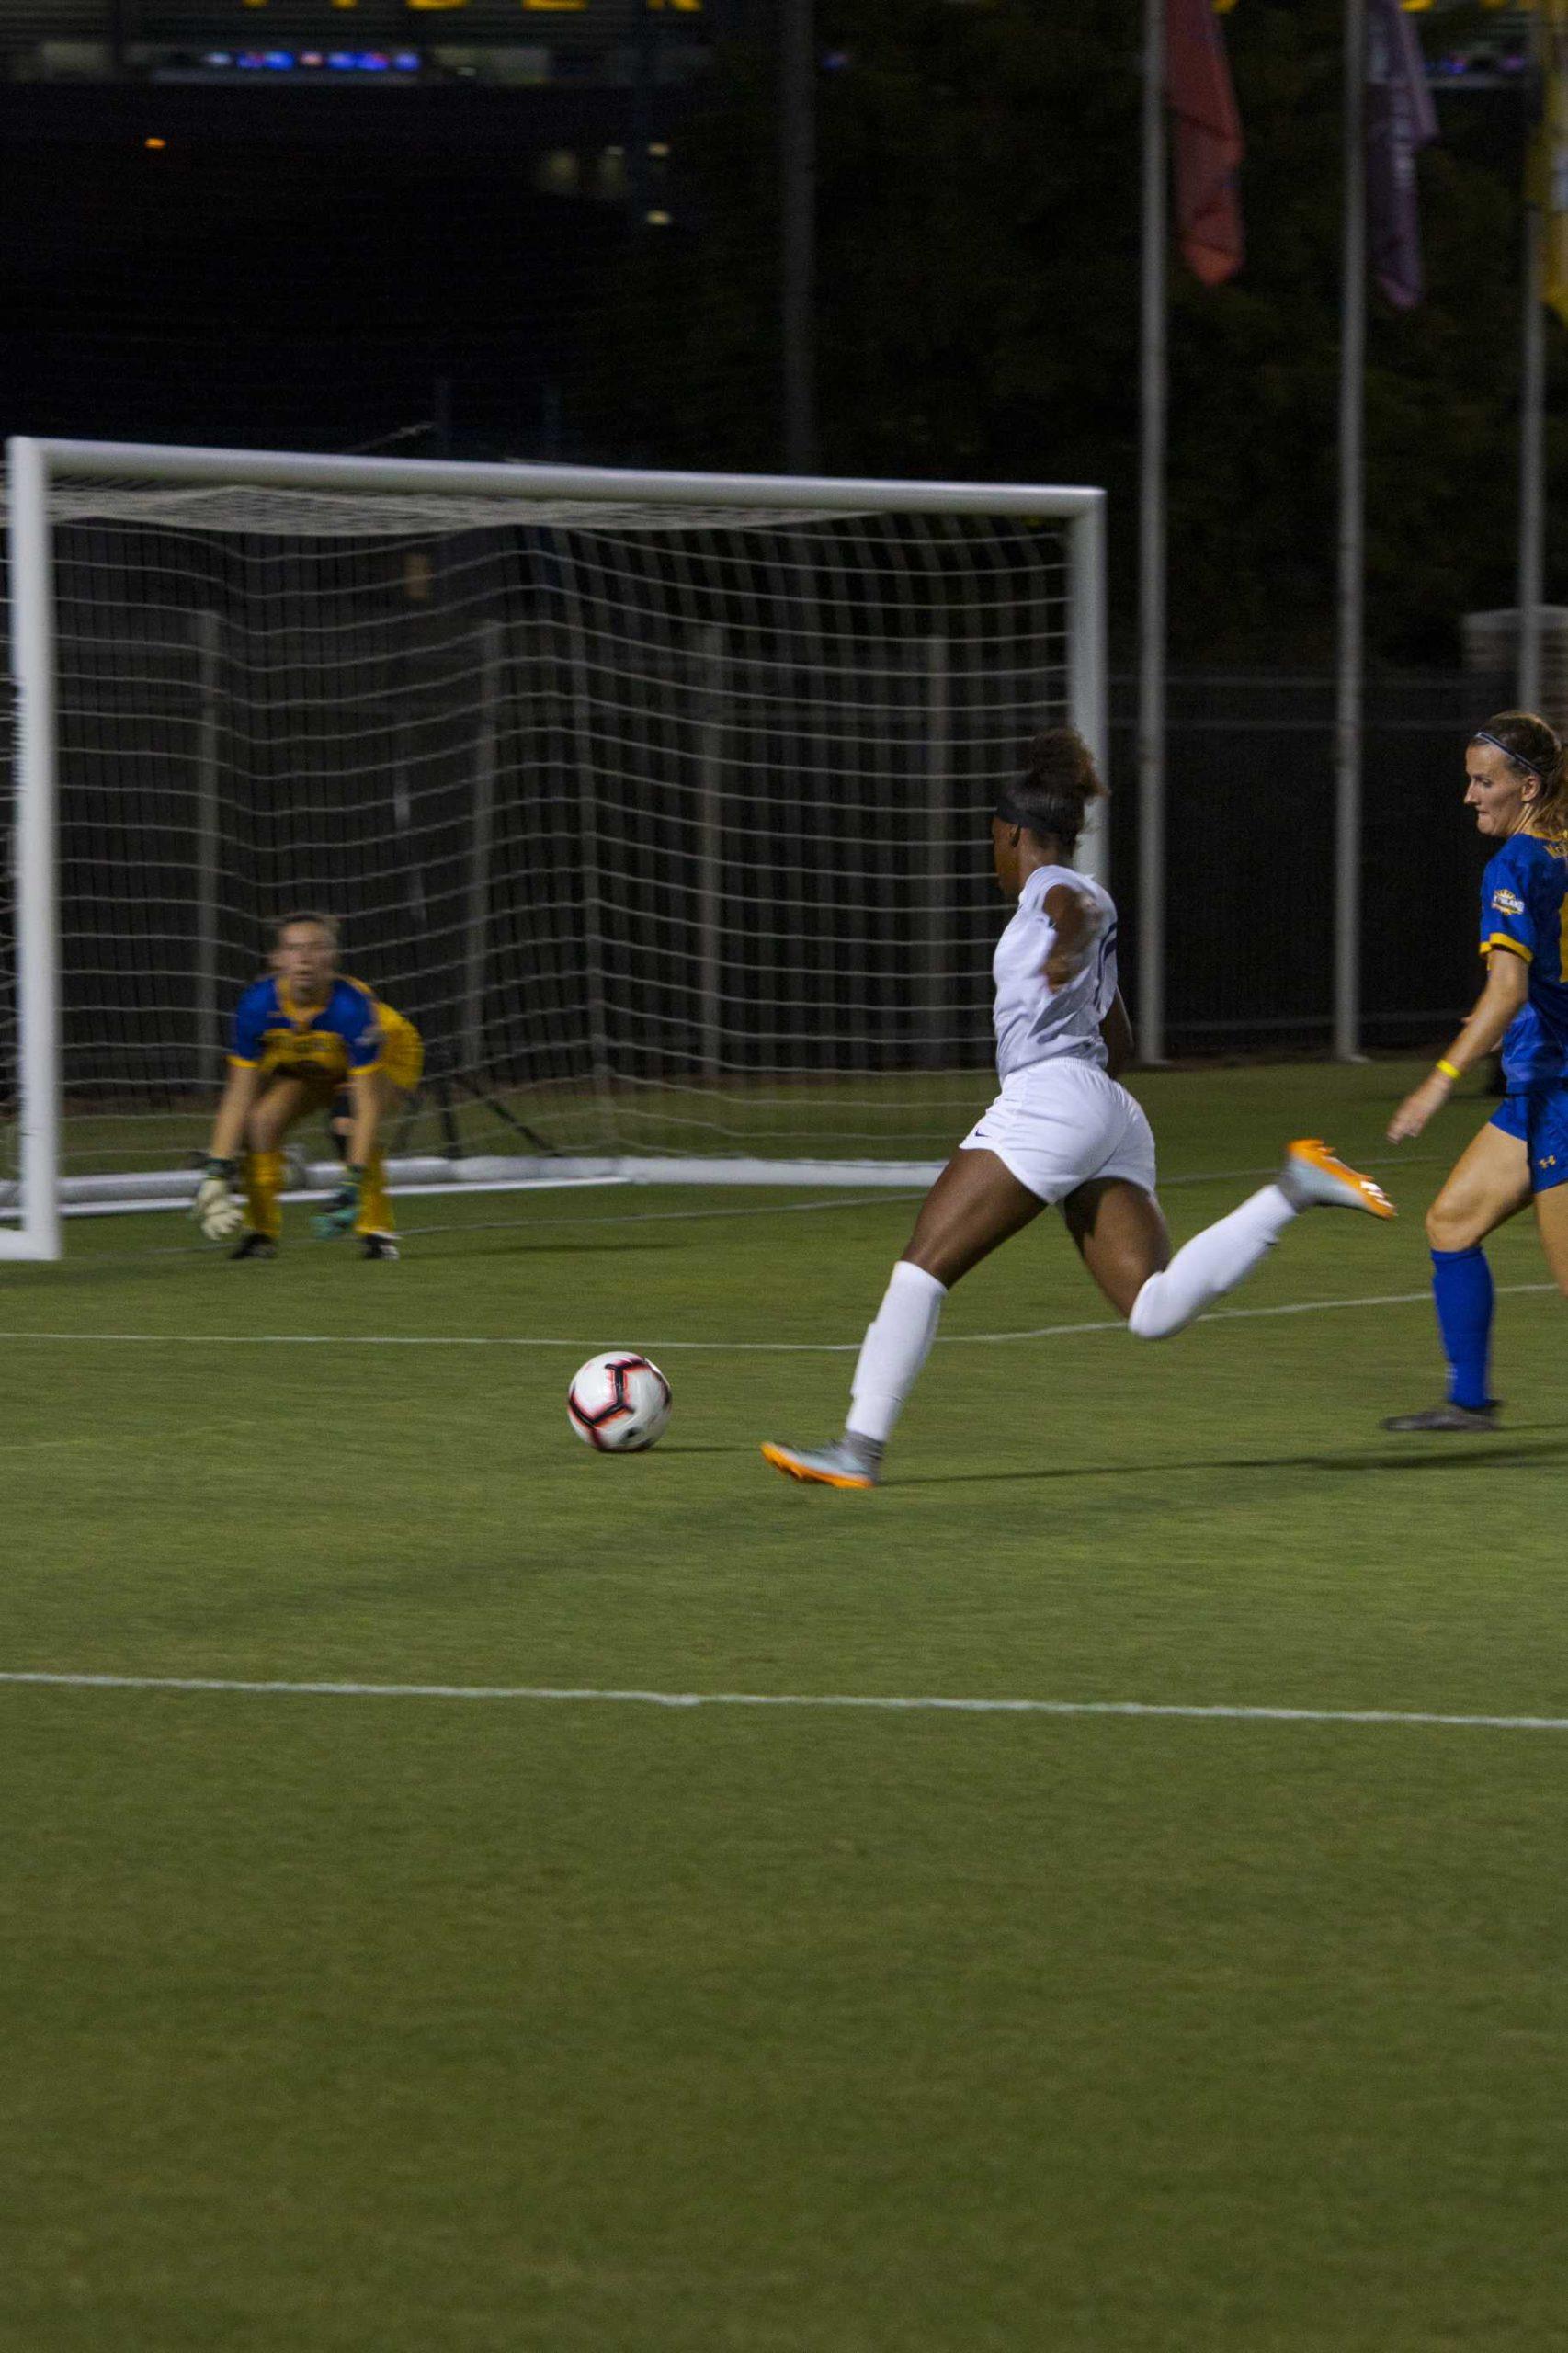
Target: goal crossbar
{"x":597,"y":485}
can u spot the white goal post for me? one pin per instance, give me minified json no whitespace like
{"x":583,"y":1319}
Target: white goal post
{"x":656,"y":800}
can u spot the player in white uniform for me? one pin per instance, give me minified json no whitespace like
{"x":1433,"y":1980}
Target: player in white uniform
{"x":1063,"y":1132}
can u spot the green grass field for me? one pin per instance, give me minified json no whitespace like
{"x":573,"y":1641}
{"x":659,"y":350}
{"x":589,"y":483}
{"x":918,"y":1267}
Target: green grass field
{"x":439,"y":2024}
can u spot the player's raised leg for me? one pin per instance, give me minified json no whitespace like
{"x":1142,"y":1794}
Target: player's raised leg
{"x":1120,"y":1232}
{"x":1165,"y":1297}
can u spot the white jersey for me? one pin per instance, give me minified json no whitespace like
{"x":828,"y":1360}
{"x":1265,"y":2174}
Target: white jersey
{"x":1036,"y":1023}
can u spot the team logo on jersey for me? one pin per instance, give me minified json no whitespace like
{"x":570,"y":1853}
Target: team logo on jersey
{"x":1507,"y":903}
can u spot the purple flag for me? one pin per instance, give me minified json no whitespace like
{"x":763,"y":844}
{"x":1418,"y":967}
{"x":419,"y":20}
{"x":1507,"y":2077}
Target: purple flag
{"x":1400,"y":119}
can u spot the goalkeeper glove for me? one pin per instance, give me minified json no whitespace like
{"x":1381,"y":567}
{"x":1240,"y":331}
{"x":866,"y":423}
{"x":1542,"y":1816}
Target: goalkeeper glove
{"x":341,"y":1214}
{"x":215,"y":1210}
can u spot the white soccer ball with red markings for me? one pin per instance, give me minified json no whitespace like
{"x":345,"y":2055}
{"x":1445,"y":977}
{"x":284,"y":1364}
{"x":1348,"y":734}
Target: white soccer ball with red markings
{"x":619,"y":1403}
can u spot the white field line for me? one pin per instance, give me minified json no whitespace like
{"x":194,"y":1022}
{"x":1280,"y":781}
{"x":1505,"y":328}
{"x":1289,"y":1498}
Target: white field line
{"x":875,"y":1703}
{"x":716,"y":1347}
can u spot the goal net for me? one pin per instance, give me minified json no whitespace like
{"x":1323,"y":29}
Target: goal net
{"x":657,"y":804}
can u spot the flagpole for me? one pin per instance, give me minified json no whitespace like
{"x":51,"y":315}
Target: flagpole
{"x":1152,"y":381}
{"x":1532,"y":504}
{"x":1532,"y":421}
{"x":797,"y":116}
{"x":1347,"y":708}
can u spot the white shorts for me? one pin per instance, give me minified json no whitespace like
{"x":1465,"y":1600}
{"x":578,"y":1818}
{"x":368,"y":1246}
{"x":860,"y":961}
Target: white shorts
{"x":1059,"y":1124}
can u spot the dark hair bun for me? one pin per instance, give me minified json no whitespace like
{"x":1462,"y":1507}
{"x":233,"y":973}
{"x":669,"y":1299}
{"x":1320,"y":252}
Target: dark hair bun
{"x":1060,"y":783}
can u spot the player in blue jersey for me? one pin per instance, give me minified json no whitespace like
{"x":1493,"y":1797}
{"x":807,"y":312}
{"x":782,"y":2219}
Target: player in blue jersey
{"x":302,"y":1034}
{"x":1516,"y":782}
{"x":1064,"y":1130}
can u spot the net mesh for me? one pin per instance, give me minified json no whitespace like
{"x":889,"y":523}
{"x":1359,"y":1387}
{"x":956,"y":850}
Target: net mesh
{"x":666,"y":828}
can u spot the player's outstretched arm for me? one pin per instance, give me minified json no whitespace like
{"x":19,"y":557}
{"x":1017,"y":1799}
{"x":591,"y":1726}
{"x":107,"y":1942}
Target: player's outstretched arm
{"x":215,"y":1209}
{"x":1508,"y":984}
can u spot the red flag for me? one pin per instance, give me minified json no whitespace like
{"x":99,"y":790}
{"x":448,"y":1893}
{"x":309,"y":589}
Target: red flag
{"x":1207,"y":142}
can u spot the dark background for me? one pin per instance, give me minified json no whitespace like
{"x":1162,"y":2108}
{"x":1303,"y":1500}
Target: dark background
{"x":587,"y":265}
{"x":568,"y":246}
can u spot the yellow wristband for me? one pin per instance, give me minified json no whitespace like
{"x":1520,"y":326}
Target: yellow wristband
{"x":1446,"y":1070}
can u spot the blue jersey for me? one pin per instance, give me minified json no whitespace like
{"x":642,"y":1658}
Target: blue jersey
{"x":1522,"y":914}
{"x":342,"y":1035}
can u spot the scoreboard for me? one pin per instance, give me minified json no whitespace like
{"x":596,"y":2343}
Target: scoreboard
{"x":609,"y":19}
{"x":311,"y":37}
{"x":598,"y":21}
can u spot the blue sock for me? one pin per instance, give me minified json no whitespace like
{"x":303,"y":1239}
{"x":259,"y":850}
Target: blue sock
{"x":1461,"y":1286}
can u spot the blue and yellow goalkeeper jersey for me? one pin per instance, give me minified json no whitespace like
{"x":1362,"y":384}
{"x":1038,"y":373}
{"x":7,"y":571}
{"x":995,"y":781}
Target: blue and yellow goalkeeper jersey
{"x":342,"y":1035}
{"x":1522,"y":913}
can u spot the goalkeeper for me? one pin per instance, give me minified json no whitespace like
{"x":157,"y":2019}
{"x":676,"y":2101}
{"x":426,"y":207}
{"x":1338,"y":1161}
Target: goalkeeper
{"x":303,"y":1036}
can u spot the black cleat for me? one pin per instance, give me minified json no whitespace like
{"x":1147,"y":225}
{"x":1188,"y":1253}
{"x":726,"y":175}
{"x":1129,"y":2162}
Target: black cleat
{"x":378,"y":1246}
{"x":1446,"y":1417}
{"x":255,"y":1246}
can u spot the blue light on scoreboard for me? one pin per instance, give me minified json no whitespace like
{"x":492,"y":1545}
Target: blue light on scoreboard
{"x":617,"y":11}
{"x":311,"y":61}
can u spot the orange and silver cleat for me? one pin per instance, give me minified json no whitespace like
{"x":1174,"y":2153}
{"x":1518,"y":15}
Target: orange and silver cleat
{"x":830,"y":1466}
{"x":1314,"y":1178}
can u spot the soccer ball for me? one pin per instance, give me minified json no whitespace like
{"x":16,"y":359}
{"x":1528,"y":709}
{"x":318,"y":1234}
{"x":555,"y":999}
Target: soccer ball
{"x":619,"y":1403}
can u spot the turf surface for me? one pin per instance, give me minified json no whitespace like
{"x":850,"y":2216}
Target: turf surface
{"x":386,"y":2023}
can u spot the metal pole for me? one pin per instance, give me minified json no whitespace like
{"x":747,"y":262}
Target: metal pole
{"x":1347,"y":718}
{"x":644,"y":70}
{"x":798,"y":173}
{"x":938,"y":852}
{"x":710,"y":846}
{"x":207,"y":845}
{"x":476,"y":929}
{"x":596,"y":977}
{"x":285,"y":469}
{"x":1086,"y":629}
{"x":1532,"y":430}
{"x":1151,"y":555}
{"x":37,"y":881}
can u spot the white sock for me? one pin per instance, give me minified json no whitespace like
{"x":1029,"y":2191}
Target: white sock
{"x":1212,"y":1263}
{"x":896,"y":1345}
